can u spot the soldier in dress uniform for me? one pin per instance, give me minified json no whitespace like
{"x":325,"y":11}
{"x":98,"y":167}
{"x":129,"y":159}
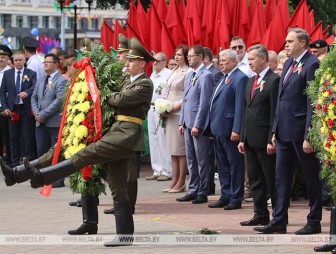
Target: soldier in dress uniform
{"x":116,"y":147}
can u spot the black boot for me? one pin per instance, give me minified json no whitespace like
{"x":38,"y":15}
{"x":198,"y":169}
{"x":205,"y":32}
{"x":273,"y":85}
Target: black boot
{"x":77,"y":203}
{"x":17,"y":174}
{"x":90,"y":217}
{"x":331,"y":246}
{"x":132,"y":190}
{"x":124,"y":225}
{"x":48,"y":175}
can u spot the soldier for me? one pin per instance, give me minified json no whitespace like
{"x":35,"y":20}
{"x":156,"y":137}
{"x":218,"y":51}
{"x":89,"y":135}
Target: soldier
{"x":116,"y":147}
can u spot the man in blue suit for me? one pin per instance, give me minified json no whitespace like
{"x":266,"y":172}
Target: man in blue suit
{"x":16,"y":89}
{"x":224,"y":123}
{"x":46,"y":104}
{"x":198,"y":88}
{"x":291,"y":124}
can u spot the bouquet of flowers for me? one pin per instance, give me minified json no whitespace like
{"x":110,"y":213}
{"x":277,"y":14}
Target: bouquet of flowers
{"x":163,"y":107}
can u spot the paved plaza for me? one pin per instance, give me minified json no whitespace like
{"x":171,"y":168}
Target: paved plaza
{"x":26,"y":214}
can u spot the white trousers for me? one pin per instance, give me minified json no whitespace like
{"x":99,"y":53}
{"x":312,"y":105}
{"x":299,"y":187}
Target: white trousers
{"x":160,"y":159}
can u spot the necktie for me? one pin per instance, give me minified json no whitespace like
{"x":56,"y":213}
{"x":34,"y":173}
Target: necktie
{"x":219,"y":84}
{"x":290,"y":72}
{"x":17,"y":87}
{"x":46,"y":84}
{"x":192,"y":78}
{"x":254,"y":86}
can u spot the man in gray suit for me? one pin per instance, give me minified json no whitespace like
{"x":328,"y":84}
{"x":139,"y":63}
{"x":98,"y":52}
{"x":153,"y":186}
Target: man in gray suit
{"x":46,"y":104}
{"x":198,"y":88}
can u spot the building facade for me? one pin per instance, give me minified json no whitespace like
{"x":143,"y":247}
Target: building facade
{"x":19,"y":17}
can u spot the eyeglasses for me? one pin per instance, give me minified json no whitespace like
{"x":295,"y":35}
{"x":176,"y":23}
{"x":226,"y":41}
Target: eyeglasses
{"x":157,"y":60}
{"x":190,"y":56}
{"x":239,"y":47}
{"x":46,"y":62}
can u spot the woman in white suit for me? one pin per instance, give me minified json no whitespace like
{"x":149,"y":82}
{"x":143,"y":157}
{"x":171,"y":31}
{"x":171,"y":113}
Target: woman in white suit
{"x":175,"y":142}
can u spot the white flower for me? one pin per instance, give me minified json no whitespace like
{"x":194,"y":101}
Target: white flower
{"x":163,"y":106}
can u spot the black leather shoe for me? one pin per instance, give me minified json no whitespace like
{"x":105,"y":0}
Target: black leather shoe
{"x":186,"y":198}
{"x":325,"y":248}
{"x":255,"y":221}
{"x":232,"y":206}
{"x":218,"y":204}
{"x":8,"y":173}
{"x":270,"y":229}
{"x":109,"y":211}
{"x":200,"y":199}
{"x":309,"y":230}
{"x":77,"y":203}
{"x":83,"y":229}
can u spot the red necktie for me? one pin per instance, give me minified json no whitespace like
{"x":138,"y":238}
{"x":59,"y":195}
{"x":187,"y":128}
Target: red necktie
{"x":254,"y":86}
{"x":290,"y":72}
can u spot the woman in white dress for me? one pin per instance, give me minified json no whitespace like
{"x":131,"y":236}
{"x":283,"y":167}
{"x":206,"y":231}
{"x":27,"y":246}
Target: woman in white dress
{"x":175,"y":142}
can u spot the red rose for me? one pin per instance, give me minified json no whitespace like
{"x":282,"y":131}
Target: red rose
{"x":89,"y":125}
{"x":88,"y":97}
{"x":330,"y":122}
{"x":328,"y":163}
{"x":326,"y":83}
{"x":332,"y":138}
{"x":325,"y":108}
{"x":91,"y":130}
{"x":15,"y":117}
{"x":318,"y":106}
{"x":328,"y":145}
{"x":90,"y":114}
{"x":330,"y":92}
{"x":334,"y":101}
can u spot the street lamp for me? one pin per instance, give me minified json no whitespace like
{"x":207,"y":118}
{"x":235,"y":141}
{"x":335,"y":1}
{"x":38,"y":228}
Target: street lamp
{"x":89,"y":2}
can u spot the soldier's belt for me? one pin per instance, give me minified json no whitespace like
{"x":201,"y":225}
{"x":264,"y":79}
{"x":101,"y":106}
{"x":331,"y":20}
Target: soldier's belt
{"x":131,"y":119}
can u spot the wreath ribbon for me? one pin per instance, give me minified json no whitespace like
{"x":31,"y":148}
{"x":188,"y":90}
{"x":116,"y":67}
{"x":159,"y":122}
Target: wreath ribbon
{"x":83,"y":65}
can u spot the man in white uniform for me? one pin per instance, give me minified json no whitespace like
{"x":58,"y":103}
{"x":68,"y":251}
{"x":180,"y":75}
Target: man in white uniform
{"x":34,"y":62}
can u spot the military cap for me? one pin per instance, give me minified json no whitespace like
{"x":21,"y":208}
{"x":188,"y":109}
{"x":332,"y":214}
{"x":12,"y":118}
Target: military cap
{"x":4,"y":50}
{"x":123,"y":43}
{"x":30,"y":42}
{"x":137,"y":51}
{"x":318,"y":44}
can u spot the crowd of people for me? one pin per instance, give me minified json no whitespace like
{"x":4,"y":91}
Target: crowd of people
{"x":243,"y":114}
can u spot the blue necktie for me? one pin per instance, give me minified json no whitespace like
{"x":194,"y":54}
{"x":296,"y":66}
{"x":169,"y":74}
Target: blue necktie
{"x":17,"y":87}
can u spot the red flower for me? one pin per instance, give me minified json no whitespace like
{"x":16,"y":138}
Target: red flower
{"x":90,"y":114}
{"x":334,"y":101}
{"x":326,"y":83}
{"x":90,"y":138}
{"x":325,"y":108}
{"x":318,"y":106}
{"x":91,"y":130}
{"x":332,"y":138}
{"x":328,"y":163}
{"x":15,"y":117}
{"x":90,"y":125}
{"x":330,"y":122}
{"x":330,"y":92}
{"x":88,"y":97}
{"x":328,"y":145}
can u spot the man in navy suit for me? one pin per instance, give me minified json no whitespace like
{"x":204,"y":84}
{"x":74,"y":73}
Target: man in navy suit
{"x":218,"y":74}
{"x":256,"y":133}
{"x":198,"y":88}
{"x":291,"y":124}
{"x":224,"y":123}
{"x":16,"y":89}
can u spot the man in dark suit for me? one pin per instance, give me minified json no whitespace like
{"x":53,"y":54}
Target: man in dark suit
{"x":16,"y":90}
{"x":116,"y":147}
{"x":218,"y":74}
{"x":224,"y":123}
{"x":256,"y":133}
{"x":198,"y":88}
{"x":46,"y":104}
{"x":291,"y":124}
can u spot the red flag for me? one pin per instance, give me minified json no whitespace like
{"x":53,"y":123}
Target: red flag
{"x":270,"y":11}
{"x":174,"y":23}
{"x":133,"y":23}
{"x":161,"y":8}
{"x":190,"y":36}
{"x":182,"y":9}
{"x":191,"y":16}
{"x":169,"y":46}
{"x":258,"y":26}
{"x":267,"y":39}
{"x":118,"y":29}
{"x":300,"y":17}
{"x":221,"y":31}
{"x":106,"y":36}
{"x":311,"y":16}
{"x":208,"y":23}
{"x":154,"y":30}
{"x":331,"y":40}
{"x":143,"y":22}
{"x":241,"y":21}
{"x":252,"y":8}
{"x":317,"y":33}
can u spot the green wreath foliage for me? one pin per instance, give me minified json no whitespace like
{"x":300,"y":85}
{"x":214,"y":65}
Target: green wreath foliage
{"x":108,"y":73}
{"x":322,"y":92}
